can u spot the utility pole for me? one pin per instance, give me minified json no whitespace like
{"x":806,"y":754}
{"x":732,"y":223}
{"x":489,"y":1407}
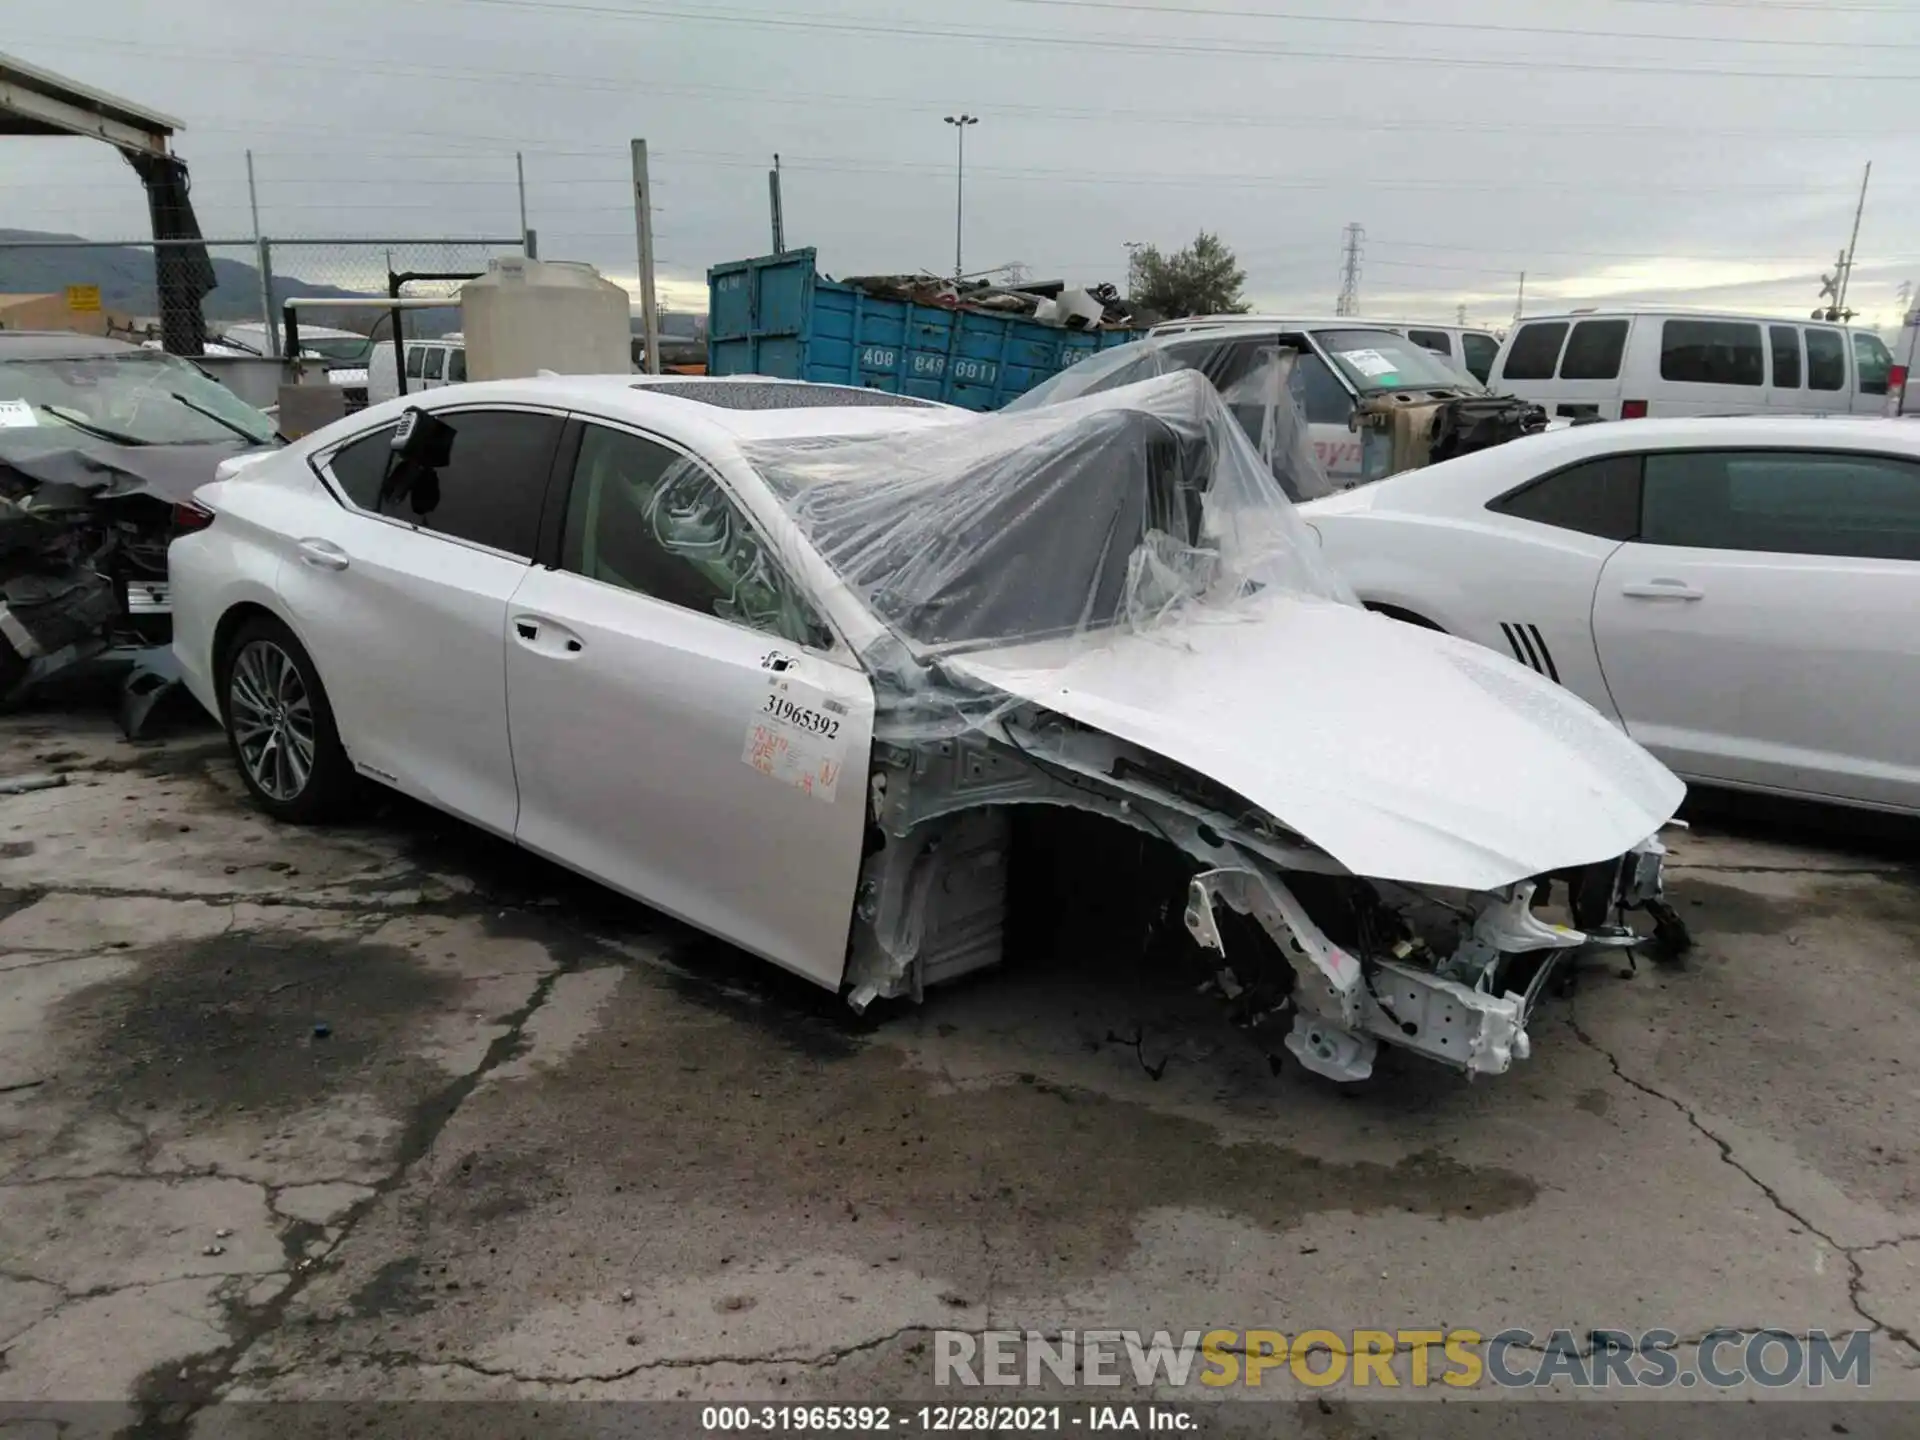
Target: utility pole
{"x":773,"y":207}
{"x":1846,"y":274}
{"x":643,"y":227}
{"x":960,"y":124}
{"x":263,"y":263}
{"x":1349,"y":301}
{"x":1520,"y":300}
{"x":1910,"y":318}
{"x":520,"y":174}
{"x":1460,"y":315}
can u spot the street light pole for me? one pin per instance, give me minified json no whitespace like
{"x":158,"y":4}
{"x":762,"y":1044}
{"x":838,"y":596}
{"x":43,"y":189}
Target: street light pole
{"x":960,"y":124}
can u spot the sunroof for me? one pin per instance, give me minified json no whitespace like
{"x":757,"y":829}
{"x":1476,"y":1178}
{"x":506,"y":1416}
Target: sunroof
{"x":760,"y":395}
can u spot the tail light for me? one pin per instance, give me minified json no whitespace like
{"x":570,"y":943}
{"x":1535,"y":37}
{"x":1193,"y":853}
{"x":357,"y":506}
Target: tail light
{"x":1897,"y":378}
{"x":1633,"y":409}
{"x":188,"y":517}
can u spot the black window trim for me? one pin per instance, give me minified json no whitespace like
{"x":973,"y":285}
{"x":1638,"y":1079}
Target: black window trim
{"x":321,"y":463}
{"x":1843,"y":452}
{"x":560,"y":496}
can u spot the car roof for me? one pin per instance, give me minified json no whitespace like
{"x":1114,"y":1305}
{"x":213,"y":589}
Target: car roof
{"x":1170,"y":328}
{"x":672,"y":401}
{"x":1500,"y":466}
{"x":1672,"y":312}
{"x":58,"y":345}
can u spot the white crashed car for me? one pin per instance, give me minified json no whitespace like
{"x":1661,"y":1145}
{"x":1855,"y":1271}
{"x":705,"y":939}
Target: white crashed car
{"x":788,"y":660}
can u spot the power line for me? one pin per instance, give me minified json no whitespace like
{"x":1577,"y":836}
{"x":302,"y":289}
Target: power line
{"x":1527,"y":250}
{"x":1820,"y":7}
{"x":295,"y":60}
{"x":1379,"y":22}
{"x":1165,"y":45}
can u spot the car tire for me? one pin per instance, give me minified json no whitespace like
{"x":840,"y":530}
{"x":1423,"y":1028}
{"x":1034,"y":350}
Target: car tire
{"x":280,"y":727}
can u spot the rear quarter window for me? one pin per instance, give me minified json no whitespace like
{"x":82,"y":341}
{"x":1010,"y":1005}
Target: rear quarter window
{"x":1598,"y":497}
{"x":360,"y":465}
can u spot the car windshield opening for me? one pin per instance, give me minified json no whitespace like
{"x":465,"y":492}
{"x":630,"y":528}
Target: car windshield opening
{"x":1374,"y":360}
{"x":131,"y":398}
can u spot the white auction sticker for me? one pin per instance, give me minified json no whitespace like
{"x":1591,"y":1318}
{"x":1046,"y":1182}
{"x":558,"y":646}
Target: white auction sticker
{"x":1369,"y":362}
{"x":15,"y":414}
{"x":798,"y":736}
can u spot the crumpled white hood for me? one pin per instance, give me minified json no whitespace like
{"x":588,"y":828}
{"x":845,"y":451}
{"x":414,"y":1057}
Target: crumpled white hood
{"x":1404,"y":753}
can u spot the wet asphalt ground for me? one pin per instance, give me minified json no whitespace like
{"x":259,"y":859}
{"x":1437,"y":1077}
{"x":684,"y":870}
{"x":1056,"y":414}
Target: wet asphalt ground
{"x":390,"y":1111}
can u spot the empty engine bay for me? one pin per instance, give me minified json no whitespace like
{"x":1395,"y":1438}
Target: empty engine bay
{"x":973,"y":836}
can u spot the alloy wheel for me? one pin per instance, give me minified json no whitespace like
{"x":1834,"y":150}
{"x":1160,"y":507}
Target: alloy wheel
{"x":272,"y":718}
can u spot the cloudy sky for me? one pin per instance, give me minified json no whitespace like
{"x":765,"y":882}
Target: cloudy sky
{"x":1688,"y":151}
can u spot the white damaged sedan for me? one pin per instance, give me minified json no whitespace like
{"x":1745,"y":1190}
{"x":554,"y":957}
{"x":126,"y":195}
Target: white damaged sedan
{"x":791,"y":662}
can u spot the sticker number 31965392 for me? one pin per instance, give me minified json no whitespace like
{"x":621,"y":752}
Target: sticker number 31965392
{"x":793,"y":739}
{"x":800,"y":717}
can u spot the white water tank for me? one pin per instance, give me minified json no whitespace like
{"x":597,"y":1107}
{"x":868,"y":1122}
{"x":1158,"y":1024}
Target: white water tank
{"x":524,"y":316}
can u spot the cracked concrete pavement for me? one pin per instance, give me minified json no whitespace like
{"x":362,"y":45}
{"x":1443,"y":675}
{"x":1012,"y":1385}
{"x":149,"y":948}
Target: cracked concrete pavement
{"x":392,"y":1111}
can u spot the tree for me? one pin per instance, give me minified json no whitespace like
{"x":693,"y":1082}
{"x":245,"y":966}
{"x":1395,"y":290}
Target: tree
{"x":1203,"y":279}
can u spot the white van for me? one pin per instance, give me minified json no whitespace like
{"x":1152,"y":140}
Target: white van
{"x":1469,"y":350}
{"x":1627,"y":364}
{"x":430,"y":364}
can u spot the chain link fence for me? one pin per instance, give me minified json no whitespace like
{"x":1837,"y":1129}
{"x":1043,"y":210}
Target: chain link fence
{"x":111,"y":288}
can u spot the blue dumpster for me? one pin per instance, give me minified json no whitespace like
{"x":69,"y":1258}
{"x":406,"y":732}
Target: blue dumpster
{"x":778,"y":316}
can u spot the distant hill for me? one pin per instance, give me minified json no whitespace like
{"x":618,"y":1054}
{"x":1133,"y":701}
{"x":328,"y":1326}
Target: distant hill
{"x":124,"y":274}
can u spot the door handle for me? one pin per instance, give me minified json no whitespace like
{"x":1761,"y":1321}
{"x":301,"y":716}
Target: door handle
{"x":322,"y":555}
{"x":543,"y":636}
{"x":1662,"y":589}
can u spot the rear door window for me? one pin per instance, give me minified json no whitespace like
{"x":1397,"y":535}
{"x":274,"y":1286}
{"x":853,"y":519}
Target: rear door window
{"x":1872,"y":362}
{"x":1534,"y":351}
{"x":1826,"y":360}
{"x":1480,"y":351}
{"x":457,"y":363}
{"x":416,"y":354}
{"x":1784,"y":502}
{"x":1712,"y":352}
{"x":1594,"y":350}
{"x":436,"y":361}
{"x":1596,"y":497}
{"x":1786,"y":356}
{"x":490,"y":491}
